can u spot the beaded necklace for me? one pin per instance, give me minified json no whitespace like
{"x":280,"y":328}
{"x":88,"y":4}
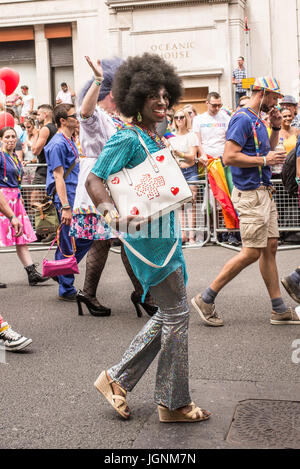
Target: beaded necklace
{"x":153,"y":135}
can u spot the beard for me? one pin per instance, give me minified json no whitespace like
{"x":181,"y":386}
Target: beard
{"x":265,"y":108}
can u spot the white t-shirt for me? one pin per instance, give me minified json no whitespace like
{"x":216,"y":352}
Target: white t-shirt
{"x":184,"y":143}
{"x":27,"y":105}
{"x":65,"y":97}
{"x":213,"y":132}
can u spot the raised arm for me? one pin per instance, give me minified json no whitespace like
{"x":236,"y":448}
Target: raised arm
{"x":90,"y":100}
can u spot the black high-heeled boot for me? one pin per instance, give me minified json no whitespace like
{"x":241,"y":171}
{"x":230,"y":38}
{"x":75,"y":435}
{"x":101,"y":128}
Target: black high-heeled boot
{"x":137,"y":301}
{"x":99,"y":311}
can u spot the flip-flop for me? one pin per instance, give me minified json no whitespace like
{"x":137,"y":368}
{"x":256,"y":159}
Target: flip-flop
{"x":104,"y":385}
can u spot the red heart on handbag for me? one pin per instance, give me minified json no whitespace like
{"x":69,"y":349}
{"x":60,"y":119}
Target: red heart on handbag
{"x":175,"y":190}
{"x":135,"y":211}
{"x":115,"y":181}
{"x":160,"y":158}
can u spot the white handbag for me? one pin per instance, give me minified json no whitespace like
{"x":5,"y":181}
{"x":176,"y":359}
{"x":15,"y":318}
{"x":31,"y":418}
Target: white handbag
{"x":150,"y":189}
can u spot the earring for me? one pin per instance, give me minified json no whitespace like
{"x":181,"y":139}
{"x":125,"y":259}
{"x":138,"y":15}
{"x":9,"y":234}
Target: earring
{"x":139,"y":117}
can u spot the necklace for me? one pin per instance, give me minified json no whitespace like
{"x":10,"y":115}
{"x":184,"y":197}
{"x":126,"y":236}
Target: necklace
{"x":153,"y":135}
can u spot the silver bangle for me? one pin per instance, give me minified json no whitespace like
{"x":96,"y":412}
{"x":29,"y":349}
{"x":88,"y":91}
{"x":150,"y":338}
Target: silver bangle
{"x":265,"y":160}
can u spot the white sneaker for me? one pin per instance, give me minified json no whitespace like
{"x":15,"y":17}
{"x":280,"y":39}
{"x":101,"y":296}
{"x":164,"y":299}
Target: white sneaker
{"x":12,"y":341}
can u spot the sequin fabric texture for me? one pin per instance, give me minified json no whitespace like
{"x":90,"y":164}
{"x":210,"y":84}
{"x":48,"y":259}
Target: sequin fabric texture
{"x":166,"y":332}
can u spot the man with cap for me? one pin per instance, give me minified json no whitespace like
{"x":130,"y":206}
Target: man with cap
{"x":289,"y":102}
{"x":250,"y":152}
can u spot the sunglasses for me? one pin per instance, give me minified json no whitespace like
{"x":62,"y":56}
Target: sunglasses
{"x":216,"y":105}
{"x":74,"y":116}
{"x":179,"y":118}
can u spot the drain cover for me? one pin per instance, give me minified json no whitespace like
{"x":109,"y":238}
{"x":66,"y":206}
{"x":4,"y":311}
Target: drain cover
{"x":266,"y":423}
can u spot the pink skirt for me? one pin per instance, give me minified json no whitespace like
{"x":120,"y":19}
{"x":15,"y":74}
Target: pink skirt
{"x":7,"y":234}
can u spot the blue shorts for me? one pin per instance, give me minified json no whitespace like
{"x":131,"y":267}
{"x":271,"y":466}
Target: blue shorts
{"x":191,"y":173}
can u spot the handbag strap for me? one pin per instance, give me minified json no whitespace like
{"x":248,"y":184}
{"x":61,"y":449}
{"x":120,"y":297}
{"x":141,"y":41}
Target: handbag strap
{"x":134,"y":251}
{"x":65,"y":177}
{"x":57,"y":239}
{"x":145,"y":260}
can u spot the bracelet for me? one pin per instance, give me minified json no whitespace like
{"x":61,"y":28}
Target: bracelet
{"x":276,"y":129}
{"x":66,"y":206}
{"x":98,"y":81}
{"x":10,"y":218}
{"x":265,"y":161}
{"x":297,"y":180}
{"x":110,"y":216}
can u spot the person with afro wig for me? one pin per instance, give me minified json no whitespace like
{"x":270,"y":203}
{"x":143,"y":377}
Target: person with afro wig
{"x":144,"y":88}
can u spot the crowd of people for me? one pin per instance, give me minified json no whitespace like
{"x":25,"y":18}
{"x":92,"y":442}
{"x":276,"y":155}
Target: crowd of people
{"x":127,"y":106}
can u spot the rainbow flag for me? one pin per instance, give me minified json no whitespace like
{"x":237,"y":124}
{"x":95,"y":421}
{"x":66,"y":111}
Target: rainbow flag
{"x":222,"y":191}
{"x":169,"y":134}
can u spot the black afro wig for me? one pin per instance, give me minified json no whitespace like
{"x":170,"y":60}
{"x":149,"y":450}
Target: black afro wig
{"x":142,"y":76}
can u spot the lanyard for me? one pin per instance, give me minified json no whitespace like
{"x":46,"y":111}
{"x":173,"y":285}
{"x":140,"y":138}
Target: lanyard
{"x":17,"y":166}
{"x":72,"y":146}
{"x":256,"y":141}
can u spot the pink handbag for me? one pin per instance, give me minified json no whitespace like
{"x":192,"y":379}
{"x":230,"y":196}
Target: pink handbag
{"x":63,"y":266}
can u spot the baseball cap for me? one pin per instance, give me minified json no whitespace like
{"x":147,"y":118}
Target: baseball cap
{"x":289,"y":100}
{"x":267,"y":84}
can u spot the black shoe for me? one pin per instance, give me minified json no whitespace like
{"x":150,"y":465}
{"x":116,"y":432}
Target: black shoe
{"x":232,"y":240}
{"x":137,"y":301}
{"x":94,"y":310}
{"x":3,"y":285}
{"x":71,"y":298}
{"x":34,"y":277}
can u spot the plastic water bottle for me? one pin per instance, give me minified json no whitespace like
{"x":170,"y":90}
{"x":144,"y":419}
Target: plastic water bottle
{"x":277,"y":168}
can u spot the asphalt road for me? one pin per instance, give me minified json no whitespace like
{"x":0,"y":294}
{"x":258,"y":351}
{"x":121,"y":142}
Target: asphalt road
{"x":47,"y":397}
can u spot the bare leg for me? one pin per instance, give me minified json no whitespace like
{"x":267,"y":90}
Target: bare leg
{"x":24,"y":255}
{"x":234,"y":266}
{"x":268,"y":268}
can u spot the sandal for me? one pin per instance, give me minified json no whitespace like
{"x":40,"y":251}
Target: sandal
{"x":104,"y":385}
{"x":169,"y":416}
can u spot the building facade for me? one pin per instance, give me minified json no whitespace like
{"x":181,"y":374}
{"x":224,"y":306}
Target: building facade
{"x":46,"y":40}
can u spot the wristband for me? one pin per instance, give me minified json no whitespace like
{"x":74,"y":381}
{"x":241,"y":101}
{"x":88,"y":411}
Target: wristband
{"x":276,"y":129}
{"x":10,"y":218}
{"x":66,"y":206}
{"x":297,"y":180}
{"x":98,"y":81}
{"x":265,"y":161}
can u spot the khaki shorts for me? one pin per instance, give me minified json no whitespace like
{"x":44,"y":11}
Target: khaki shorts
{"x":258,"y":217}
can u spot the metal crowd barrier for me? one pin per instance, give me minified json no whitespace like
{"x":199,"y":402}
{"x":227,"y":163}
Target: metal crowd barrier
{"x":288,"y":219}
{"x":202,"y":220}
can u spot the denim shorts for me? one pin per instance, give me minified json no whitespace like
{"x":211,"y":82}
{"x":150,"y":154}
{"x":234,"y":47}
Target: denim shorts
{"x":191,"y":173}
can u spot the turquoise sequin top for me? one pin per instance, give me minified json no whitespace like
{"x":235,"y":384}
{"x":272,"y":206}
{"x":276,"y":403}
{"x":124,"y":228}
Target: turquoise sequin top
{"x":157,"y":238}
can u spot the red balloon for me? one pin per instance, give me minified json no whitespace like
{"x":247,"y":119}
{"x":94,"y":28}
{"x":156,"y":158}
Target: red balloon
{"x":9,"y":80}
{"x":6,"y":120}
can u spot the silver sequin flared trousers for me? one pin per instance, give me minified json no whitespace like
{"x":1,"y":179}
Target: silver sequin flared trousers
{"x":166,"y":332}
